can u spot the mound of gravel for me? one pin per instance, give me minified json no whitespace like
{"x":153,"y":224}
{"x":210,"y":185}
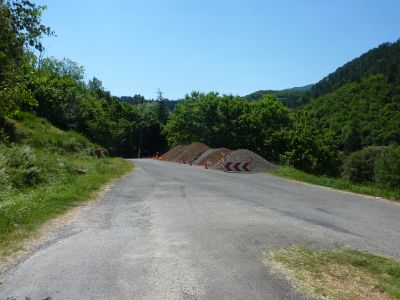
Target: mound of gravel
{"x":173,"y":152}
{"x":185,"y":153}
{"x":199,"y":154}
{"x":191,"y":152}
{"x":212,"y":156}
{"x":257,"y":163}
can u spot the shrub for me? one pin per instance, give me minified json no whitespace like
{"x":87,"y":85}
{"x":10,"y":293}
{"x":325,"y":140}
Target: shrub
{"x":4,"y":178}
{"x":387,"y":168}
{"x":19,"y":166}
{"x":359,"y":167}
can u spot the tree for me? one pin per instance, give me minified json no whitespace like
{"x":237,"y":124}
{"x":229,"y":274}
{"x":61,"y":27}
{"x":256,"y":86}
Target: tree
{"x":20,"y":29}
{"x":162,"y":110}
{"x":59,"y":90}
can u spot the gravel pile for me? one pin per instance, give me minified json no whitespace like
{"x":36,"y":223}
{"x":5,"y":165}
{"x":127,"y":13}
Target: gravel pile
{"x":212,"y":157}
{"x":173,"y":152}
{"x":185,"y":153}
{"x":199,"y":154}
{"x":257,"y":163}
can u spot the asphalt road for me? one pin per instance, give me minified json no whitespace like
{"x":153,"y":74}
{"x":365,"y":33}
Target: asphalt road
{"x":170,"y":231}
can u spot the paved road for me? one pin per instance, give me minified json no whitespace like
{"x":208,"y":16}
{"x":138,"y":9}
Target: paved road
{"x":170,"y":231}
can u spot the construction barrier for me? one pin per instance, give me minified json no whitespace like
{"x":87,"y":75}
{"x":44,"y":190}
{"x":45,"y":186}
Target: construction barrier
{"x":236,"y":167}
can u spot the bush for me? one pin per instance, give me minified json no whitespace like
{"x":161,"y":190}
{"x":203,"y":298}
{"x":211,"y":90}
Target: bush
{"x":18,"y":167}
{"x":387,"y":168}
{"x":359,"y":167}
{"x":4,"y":178}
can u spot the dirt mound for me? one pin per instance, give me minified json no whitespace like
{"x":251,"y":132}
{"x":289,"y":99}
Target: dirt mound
{"x":185,"y":153}
{"x":257,"y":163}
{"x":212,"y":157}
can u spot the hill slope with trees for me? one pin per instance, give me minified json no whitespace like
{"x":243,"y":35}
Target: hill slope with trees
{"x":292,"y":98}
{"x":360,"y":101}
{"x":384,"y":59}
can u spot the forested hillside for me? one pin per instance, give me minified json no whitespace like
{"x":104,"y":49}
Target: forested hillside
{"x":360,"y":102}
{"x":359,"y":113}
{"x":292,"y":98}
{"x":384,"y":59}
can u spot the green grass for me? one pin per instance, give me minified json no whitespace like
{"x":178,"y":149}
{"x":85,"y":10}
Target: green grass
{"x":337,"y":183}
{"x":338,"y":273}
{"x":65,"y":170}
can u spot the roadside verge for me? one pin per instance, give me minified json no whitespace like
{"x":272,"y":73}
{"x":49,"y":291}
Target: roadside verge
{"x":336,"y":183}
{"x":24,"y":212}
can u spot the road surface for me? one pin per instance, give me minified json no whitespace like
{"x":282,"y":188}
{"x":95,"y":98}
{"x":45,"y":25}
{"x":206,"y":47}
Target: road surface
{"x":170,"y":231}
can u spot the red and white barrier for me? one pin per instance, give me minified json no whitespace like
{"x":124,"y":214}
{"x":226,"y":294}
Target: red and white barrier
{"x":238,"y":166}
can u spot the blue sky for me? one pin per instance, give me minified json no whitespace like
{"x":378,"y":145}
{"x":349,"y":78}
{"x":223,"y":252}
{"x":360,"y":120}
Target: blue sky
{"x":229,"y":46}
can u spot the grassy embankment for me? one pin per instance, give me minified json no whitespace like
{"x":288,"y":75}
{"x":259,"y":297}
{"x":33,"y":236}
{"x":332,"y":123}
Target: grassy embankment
{"x":43,"y":173}
{"x":336,"y":183}
{"x":344,"y":274}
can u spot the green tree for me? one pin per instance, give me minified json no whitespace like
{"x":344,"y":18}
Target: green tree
{"x":162,"y":109}
{"x":20,"y":29}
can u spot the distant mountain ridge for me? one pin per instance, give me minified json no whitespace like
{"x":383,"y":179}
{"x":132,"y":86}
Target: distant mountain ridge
{"x":292,"y":97}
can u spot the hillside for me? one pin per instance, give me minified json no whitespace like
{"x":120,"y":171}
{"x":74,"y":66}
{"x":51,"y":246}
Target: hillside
{"x":360,"y":101}
{"x":384,"y":59}
{"x":292,"y":98}
{"x":43,"y":172}
{"x":359,"y":114}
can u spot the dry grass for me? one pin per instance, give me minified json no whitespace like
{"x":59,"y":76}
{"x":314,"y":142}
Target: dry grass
{"x":338,"y":273}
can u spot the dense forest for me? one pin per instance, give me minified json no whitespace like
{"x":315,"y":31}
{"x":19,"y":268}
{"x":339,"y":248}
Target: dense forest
{"x":314,"y":128}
